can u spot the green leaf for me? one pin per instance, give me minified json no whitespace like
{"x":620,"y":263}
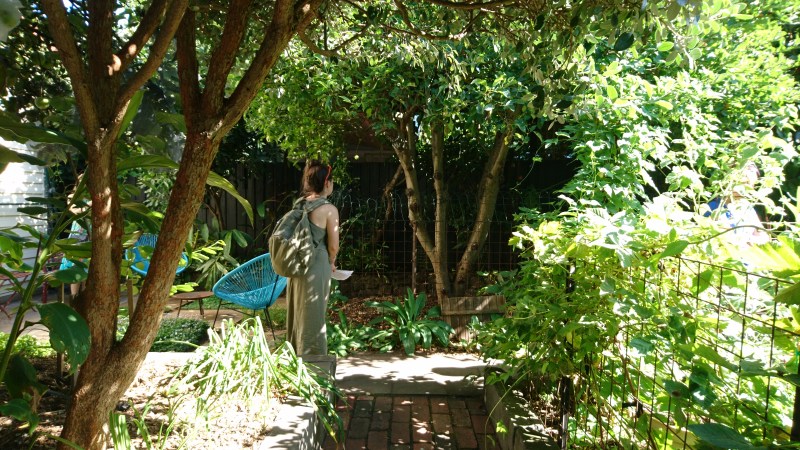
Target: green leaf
{"x":130,"y":113}
{"x":33,"y":210}
{"x":140,"y":213}
{"x":10,"y":156}
{"x":409,"y":344}
{"x":20,"y":410}
{"x":240,"y":238}
{"x":664,"y":104}
{"x":176,"y":120}
{"x":20,"y":378}
{"x":720,"y":436}
{"x":752,"y":368}
{"x":624,"y":42}
{"x":792,"y":378}
{"x":146,"y":162}
{"x":709,"y":354}
{"x":665,"y":46}
{"x":217,"y":180}
{"x":72,"y":275}
{"x":790,"y":295}
{"x":162,"y":162}
{"x":676,"y":389}
{"x":608,"y":286}
{"x":674,"y":248}
{"x":118,"y":425}
{"x":13,"y":130}
{"x":69,"y":333}
{"x":642,"y":345}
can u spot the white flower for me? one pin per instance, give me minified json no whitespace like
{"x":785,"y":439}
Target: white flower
{"x":9,"y":17}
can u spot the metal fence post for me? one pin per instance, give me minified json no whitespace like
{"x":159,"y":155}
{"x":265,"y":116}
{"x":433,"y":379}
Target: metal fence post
{"x":565,"y":388}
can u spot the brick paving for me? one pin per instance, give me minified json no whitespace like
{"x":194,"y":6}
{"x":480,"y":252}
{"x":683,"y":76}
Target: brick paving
{"x":414,"y":422}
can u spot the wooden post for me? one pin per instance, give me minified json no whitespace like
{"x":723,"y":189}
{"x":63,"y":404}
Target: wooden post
{"x":458,"y":311}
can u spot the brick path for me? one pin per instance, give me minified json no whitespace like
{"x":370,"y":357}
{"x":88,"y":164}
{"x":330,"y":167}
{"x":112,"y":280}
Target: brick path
{"x":414,"y":422}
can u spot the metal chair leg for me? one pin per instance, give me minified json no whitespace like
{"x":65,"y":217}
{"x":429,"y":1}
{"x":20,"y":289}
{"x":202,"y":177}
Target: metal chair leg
{"x":269,"y":321}
{"x":216,"y":315}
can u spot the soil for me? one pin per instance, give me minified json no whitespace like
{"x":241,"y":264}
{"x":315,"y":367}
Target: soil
{"x":151,"y":381}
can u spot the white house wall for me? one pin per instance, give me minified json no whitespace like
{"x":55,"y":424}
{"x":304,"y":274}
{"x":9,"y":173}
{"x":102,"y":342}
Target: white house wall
{"x":17,"y":182}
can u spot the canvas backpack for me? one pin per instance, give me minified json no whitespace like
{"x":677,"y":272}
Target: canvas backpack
{"x":291,"y":245}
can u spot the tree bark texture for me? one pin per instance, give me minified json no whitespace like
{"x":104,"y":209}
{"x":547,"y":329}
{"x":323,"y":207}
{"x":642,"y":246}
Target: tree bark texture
{"x":387,"y":197}
{"x":488,"y":191}
{"x":440,"y":265}
{"x":405,"y":147}
{"x":96,"y":83}
{"x":436,"y":248}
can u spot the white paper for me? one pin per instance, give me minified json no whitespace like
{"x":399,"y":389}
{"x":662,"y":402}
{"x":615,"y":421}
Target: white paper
{"x":341,"y":274}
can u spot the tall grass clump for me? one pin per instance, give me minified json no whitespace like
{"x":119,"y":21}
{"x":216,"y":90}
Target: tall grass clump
{"x":238,"y":364}
{"x":238,"y":368}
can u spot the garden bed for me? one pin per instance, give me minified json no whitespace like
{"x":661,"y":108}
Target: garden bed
{"x":241,"y":428}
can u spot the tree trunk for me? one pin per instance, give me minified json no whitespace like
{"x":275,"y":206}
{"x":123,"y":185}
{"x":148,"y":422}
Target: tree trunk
{"x":387,"y":197}
{"x":440,"y":265}
{"x":111,"y":367}
{"x":437,"y":248}
{"x":99,"y":302}
{"x":209,"y":114}
{"x":487,"y":201}
{"x":405,"y":147}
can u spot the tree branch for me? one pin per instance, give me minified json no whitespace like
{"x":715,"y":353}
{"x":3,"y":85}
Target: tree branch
{"x":102,"y":64}
{"x":440,"y":215}
{"x":188,"y":68}
{"x":488,"y":191}
{"x":404,"y":147}
{"x":329,"y":52}
{"x":147,"y":26}
{"x":71,"y":58}
{"x":157,"y":51}
{"x":287,"y":19}
{"x":413,"y":30}
{"x":224,"y":55}
{"x":466,"y":6}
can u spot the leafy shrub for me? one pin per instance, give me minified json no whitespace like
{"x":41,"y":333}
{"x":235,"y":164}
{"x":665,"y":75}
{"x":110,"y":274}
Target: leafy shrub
{"x":28,"y":346}
{"x":180,"y":335}
{"x":174,"y":334}
{"x":345,"y":338}
{"x":408,"y":326}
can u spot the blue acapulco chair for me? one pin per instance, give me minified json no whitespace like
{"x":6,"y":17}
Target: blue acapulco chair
{"x":253,"y":285}
{"x":139,"y":255}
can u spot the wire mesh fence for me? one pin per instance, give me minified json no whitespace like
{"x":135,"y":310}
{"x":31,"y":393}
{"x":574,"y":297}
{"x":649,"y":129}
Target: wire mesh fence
{"x":377,"y":240}
{"x":717,"y":355}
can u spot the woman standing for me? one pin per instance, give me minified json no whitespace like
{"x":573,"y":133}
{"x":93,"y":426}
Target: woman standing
{"x":307,"y":296}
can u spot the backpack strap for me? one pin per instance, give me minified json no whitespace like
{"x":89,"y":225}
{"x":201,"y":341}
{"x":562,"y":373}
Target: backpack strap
{"x":309,"y":206}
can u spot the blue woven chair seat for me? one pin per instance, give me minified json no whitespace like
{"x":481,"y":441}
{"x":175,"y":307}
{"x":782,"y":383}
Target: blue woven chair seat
{"x":139,"y":255}
{"x":253,"y":285}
